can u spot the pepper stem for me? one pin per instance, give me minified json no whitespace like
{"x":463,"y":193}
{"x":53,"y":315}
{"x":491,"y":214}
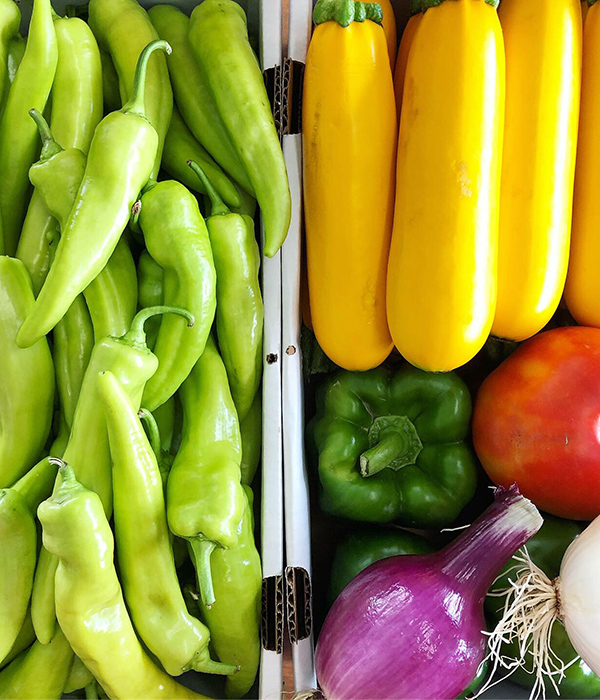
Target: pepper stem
{"x":394,"y":442}
{"x":344,"y":12}
{"x":201,"y":549}
{"x":152,"y":431}
{"x":136,"y":333}
{"x":205,"y":664}
{"x":37,"y":483}
{"x":218,"y":206}
{"x":50,"y":147}
{"x":135,"y":103}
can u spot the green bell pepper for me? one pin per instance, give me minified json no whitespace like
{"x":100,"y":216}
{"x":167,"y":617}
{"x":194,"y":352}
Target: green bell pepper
{"x":391,"y":446}
{"x":546,"y":549}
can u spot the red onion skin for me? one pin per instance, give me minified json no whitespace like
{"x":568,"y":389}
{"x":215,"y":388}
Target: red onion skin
{"x":410,"y":627}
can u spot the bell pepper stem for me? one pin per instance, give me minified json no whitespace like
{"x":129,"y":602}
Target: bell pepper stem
{"x":50,"y":147}
{"x":395,"y":443}
{"x":152,"y":431}
{"x":218,"y":206}
{"x":201,"y":549}
{"x":380,"y":457}
{"x":135,"y":103}
{"x":136,"y":334}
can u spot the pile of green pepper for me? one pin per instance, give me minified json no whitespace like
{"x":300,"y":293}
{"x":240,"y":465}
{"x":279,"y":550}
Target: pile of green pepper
{"x":131,"y":342}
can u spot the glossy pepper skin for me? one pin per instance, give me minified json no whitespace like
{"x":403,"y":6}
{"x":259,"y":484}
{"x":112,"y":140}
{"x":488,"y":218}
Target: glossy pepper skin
{"x":89,"y":602}
{"x":583,"y":286}
{"x":18,"y":134}
{"x":219,"y":37}
{"x":27,"y":386}
{"x":349,"y":143}
{"x":76,"y":110}
{"x":180,"y":147}
{"x":130,"y":360}
{"x":123,"y":29}
{"x":406,"y":41}
{"x":240,"y":310}
{"x":546,"y":549}
{"x":205,"y":499}
{"x":391,"y":446}
{"x":364,"y":547}
{"x":40,"y":671}
{"x":238,"y":584}
{"x":177,"y":239}
{"x":251,"y":433}
{"x":10,"y":20}
{"x":538,"y":165}
{"x":441,"y":280}
{"x":192,"y":92}
{"x":146,"y":565}
{"x":118,"y":166}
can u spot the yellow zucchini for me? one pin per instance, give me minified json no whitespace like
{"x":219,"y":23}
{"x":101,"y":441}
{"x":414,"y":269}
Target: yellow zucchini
{"x":349,"y":140}
{"x":584,"y":9}
{"x":389,"y":27}
{"x":441,"y":290}
{"x":542,"y":40}
{"x":403,"y":50}
{"x":582,"y":292}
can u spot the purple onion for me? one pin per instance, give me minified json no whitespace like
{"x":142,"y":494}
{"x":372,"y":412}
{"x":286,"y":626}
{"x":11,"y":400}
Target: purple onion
{"x":411,"y":626}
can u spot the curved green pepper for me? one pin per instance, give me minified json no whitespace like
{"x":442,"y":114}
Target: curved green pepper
{"x":118,"y":166}
{"x":89,"y":601}
{"x":239,"y":301}
{"x":205,"y":498}
{"x":27,"y":386}
{"x":18,"y":135}
{"x":146,"y":565}
{"x":546,"y":549}
{"x":194,"y":99}
{"x":219,"y":39}
{"x":391,"y":446}
{"x":177,"y":239}
{"x":238,"y":586}
{"x":39,"y":672}
{"x":15,"y":52}
{"x":181,"y":146}
{"x":123,"y":29}
{"x":364,"y":547}
{"x":10,"y":21}
{"x":251,"y":433}
{"x":130,"y":360}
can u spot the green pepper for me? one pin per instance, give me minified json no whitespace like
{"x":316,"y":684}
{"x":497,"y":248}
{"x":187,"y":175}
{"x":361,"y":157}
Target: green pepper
{"x":205,"y":498}
{"x":364,"y":547}
{"x":239,"y":302}
{"x":27,"y":386}
{"x":10,"y":20}
{"x":251,"y":433}
{"x":146,"y":565}
{"x":24,"y":640}
{"x":238,"y":586}
{"x":546,"y":550}
{"x":89,"y":601}
{"x":118,"y":166}
{"x":219,"y":39}
{"x":39,"y":672}
{"x":15,"y":52}
{"x":18,"y":135}
{"x":181,"y":146}
{"x":133,"y":363}
{"x":123,"y":29}
{"x":190,"y":84}
{"x":110,"y":83}
{"x":391,"y":446}
{"x":177,"y":239}
{"x":18,"y":553}
{"x":247,"y":205}
{"x":79,"y":677}
{"x":150,"y":279}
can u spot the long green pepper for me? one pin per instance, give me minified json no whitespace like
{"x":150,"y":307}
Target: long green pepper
{"x":10,"y":20}
{"x":144,"y":552}
{"x":205,"y":498}
{"x":240,"y":309}
{"x":177,"y":239}
{"x":15,"y":52}
{"x":219,"y":38}
{"x":118,"y":166}
{"x":18,"y":135}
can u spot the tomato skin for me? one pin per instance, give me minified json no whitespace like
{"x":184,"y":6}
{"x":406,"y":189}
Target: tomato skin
{"x":537,"y":422}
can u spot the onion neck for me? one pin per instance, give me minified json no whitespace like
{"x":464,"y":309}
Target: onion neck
{"x":476,"y":557}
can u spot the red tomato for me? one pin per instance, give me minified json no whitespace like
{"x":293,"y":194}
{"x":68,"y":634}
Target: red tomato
{"x":537,"y":422}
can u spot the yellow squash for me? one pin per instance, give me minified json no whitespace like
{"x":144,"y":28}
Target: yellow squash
{"x":389,"y":27}
{"x":582,"y":292}
{"x":441,"y":290}
{"x":403,"y":50}
{"x":542,"y":40}
{"x":349,"y":140}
